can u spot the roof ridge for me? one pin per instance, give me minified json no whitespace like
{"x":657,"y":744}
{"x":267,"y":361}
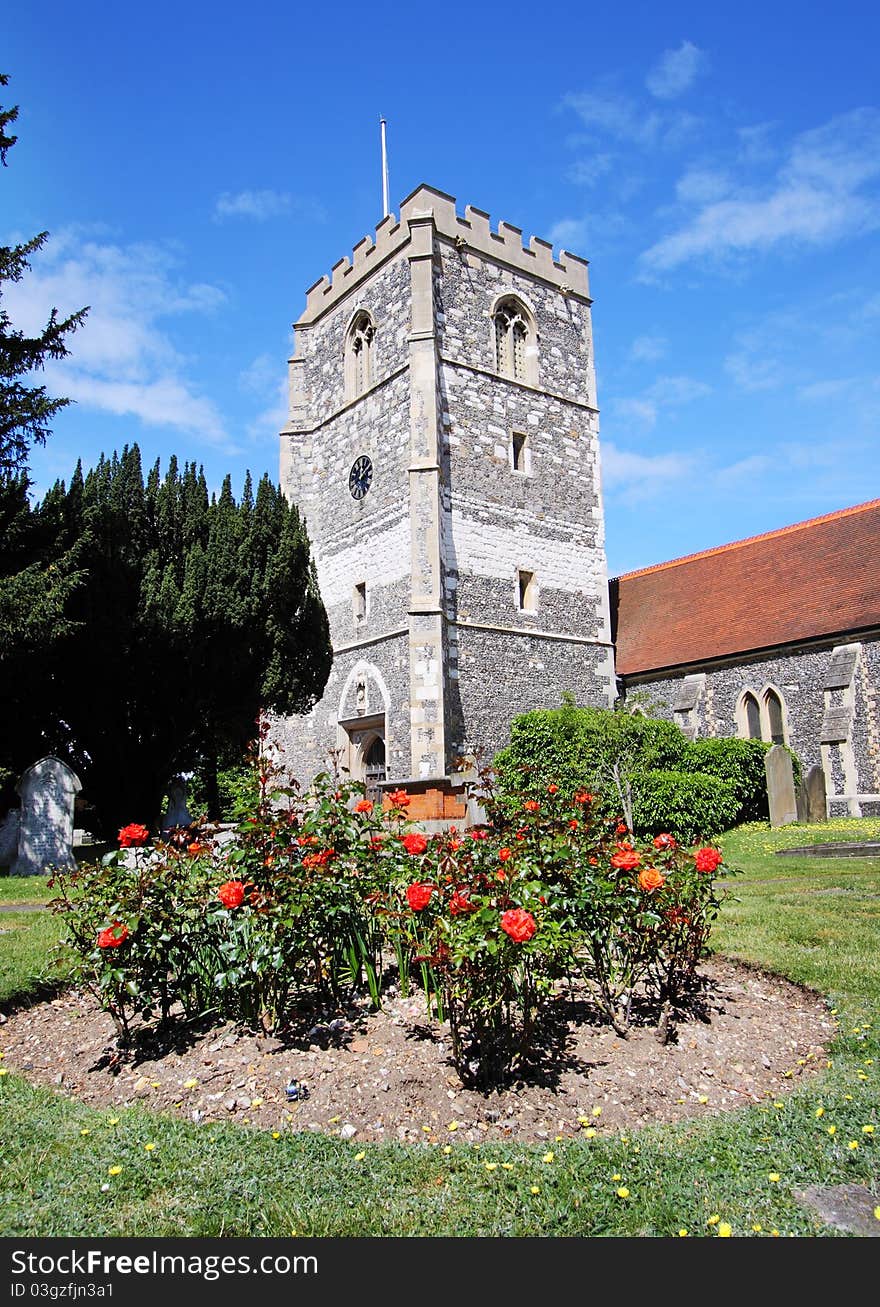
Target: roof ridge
{"x":747,"y":540}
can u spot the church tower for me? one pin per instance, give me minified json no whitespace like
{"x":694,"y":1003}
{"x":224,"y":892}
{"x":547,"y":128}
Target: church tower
{"x":442,"y":446}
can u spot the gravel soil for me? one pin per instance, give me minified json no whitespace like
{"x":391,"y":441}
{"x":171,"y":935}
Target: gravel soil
{"x":387,"y":1075}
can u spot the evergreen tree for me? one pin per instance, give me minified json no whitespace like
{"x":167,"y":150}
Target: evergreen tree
{"x":190,"y":615}
{"x":25,"y":410}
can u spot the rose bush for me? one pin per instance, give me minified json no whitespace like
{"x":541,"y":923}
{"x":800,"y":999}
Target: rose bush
{"x":320,"y":891}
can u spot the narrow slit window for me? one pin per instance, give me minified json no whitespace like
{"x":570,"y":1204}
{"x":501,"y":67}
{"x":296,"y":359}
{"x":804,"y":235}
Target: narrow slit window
{"x":519,"y":451}
{"x":753,"y":717}
{"x":774,"y":717}
{"x":359,"y":596}
{"x":527,"y":591}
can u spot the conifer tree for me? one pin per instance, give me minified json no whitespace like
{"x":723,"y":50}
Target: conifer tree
{"x":189,"y":616}
{"x":25,"y":409}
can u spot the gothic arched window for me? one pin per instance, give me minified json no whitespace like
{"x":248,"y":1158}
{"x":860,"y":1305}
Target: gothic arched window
{"x":516,"y":349}
{"x":752,"y":712}
{"x":775,"y":722}
{"x":359,"y":355}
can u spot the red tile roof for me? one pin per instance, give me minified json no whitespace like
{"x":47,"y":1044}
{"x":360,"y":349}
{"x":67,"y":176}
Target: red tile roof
{"x":815,"y":578}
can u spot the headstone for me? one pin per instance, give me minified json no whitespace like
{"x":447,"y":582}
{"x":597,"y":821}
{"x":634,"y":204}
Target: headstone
{"x":48,"y":791}
{"x":176,"y":813}
{"x":815,"y":794}
{"x":780,"y":786}
{"x":9,"y":827}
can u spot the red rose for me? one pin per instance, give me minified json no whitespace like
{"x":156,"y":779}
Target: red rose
{"x":551,"y":788}
{"x":583,"y":797}
{"x":622,"y":828}
{"x":650,"y":879}
{"x":479,"y":834}
{"x":504,"y":854}
{"x":532,"y":805}
{"x":414,"y":843}
{"x":303,"y":840}
{"x":364,"y":805}
{"x":707,"y":859}
{"x":196,"y":849}
{"x":133,"y":836}
{"x":418,"y":895}
{"x":460,"y":903}
{"x":231,"y":893}
{"x":112,"y":936}
{"x":398,"y":799}
{"x":573,"y":823}
{"x":376,"y":842}
{"x":664,"y":841}
{"x":626,"y":859}
{"x":453,"y":845}
{"x":518,"y":924}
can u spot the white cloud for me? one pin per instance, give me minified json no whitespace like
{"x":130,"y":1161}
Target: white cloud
{"x":664,"y":393}
{"x":752,"y":371}
{"x":818,"y":197}
{"x":252,"y":204}
{"x":648,"y":349}
{"x":702,"y":186}
{"x":633,"y":477}
{"x":122,"y":360}
{"x":643,"y":411}
{"x":588,"y":171}
{"x":265,"y":204}
{"x":675,"y":72}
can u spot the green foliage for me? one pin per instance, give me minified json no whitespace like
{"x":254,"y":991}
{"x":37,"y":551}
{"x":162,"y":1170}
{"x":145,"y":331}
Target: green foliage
{"x":25,"y":410}
{"x":178,"y":618}
{"x":237,"y":789}
{"x":585,"y":747}
{"x":738,"y":762}
{"x":690,"y":806}
{"x":316,"y":889}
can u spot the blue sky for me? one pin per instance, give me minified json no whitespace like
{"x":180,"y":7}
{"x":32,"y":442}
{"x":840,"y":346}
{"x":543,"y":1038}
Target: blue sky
{"x":199,"y":166}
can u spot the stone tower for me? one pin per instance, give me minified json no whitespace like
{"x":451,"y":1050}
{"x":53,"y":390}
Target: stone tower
{"x":442,"y":446}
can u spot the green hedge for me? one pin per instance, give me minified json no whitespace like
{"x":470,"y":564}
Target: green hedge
{"x":738,"y":762}
{"x":689,"y":806}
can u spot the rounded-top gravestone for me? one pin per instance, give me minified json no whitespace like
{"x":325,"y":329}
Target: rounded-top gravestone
{"x":48,"y":791}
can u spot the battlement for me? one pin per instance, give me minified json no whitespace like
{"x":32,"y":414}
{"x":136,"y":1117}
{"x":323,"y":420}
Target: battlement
{"x":473,"y":232}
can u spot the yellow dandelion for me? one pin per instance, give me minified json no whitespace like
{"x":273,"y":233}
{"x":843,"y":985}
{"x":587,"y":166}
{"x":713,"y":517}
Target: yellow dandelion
{"x":778,"y":1104}
{"x":114,"y":1170}
{"x":820,"y":1111}
{"x":447,"y":1148}
{"x":774,"y":1177}
{"x":623,"y":1192}
{"x":590,"y":1133}
{"x":757,"y":1228}
{"x":85,"y":1131}
{"x":256,"y":1102}
{"x":559,"y":1139}
{"x":548,"y":1157}
{"x":848,"y":1098}
{"x":714,"y":1219}
{"x":583,"y":1120}
{"x":597,"y":1111}
{"x":535,"y":1189}
{"x":703,"y":1098}
{"x":333,"y":1120}
{"x":491,"y":1166}
{"x":624,"y":1139}
{"x":863,"y":1075}
{"x":453,"y":1125}
{"x":877,"y":1213}
{"x":507,"y":1166}
{"x":359,"y":1157}
{"x":832,"y":1129}
{"x":682,"y":1234}
{"x":4,"y":1071}
{"x":616,"y":1176}
{"x":867,"y":1129}
{"x":276,"y":1134}
{"x":869,"y":1061}
{"x":149,"y":1148}
{"x":156,"y":1084}
{"x":724,"y":1230}
{"x":853,"y":1145}
{"x":113,"y":1120}
{"x":427,"y":1129}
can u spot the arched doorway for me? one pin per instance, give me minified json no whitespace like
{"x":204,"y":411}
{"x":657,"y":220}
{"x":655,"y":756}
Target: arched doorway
{"x":374,"y":767}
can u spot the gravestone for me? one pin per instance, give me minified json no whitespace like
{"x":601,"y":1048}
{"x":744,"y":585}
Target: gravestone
{"x":815,"y":795}
{"x":781,"y":797}
{"x":9,"y":837}
{"x":48,"y":791}
{"x":176,"y":813}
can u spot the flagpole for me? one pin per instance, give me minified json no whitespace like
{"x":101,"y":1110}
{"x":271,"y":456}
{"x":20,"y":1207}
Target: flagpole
{"x":384,"y":170}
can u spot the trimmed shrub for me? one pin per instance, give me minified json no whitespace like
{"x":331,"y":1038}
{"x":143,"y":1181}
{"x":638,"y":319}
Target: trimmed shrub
{"x":738,"y":762}
{"x":689,"y":805}
{"x":577,"y":747}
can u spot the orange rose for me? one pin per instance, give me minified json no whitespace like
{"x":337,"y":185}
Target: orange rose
{"x":650,"y":879}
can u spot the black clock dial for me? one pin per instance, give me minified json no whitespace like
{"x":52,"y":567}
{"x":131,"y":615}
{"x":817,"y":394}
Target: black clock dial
{"x":360,"y":478}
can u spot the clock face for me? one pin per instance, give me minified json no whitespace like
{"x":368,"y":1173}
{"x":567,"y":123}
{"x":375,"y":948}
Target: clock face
{"x":360,"y":478}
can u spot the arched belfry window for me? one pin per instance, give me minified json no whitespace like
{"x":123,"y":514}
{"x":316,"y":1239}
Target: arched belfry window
{"x":516,"y":341}
{"x":360,"y":361}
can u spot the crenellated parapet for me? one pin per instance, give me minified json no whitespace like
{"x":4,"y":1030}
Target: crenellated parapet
{"x":473,"y":232}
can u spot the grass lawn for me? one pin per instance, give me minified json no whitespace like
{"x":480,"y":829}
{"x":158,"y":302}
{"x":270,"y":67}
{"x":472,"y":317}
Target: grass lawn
{"x":72,"y":1171}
